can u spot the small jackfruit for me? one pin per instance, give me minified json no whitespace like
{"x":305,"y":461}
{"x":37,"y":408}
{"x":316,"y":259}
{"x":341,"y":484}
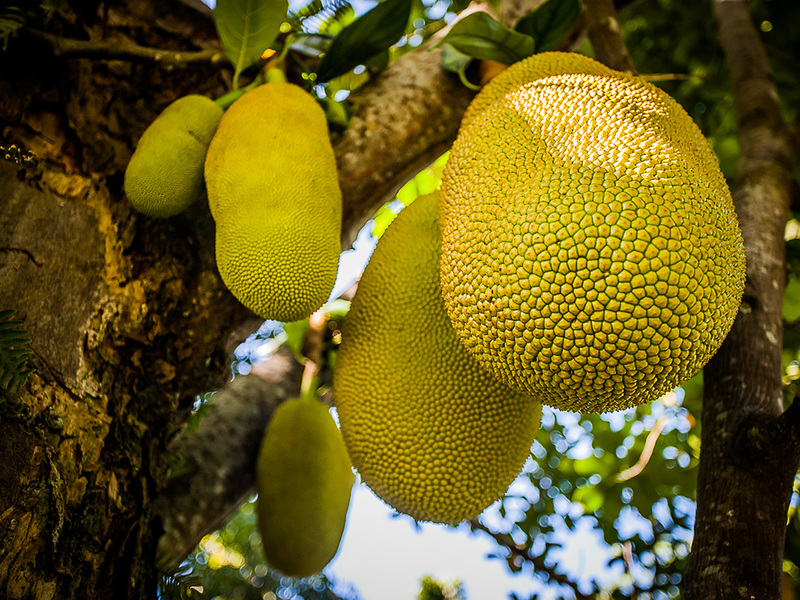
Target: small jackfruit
{"x":165,"y":174}
{"x":429,"y":431}
{"x":274,"y":194}
{"x":591,"y":254}
{"x":303,"y":479}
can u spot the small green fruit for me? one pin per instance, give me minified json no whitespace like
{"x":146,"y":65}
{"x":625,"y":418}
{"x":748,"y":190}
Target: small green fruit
{"x":165,"y":174}
{"x":304,"y":481}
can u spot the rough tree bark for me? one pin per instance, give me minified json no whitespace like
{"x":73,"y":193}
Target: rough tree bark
{"x":750,"y":447}
{"x":127,"y":315}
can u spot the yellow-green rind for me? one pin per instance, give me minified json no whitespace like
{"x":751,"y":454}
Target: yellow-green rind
{"x":304,"y":480}
{"x":274,"y":194}
{"x":537,"y":66}
{"x":429,"y":431}
{"x":165,"y":174}
{"x":591,"y":254}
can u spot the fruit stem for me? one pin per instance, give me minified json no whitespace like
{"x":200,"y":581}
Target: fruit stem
{"x":314,"y":342}
{"x":231,"y":97}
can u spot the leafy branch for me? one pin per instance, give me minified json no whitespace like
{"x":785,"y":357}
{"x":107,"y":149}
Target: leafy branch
{"x":519,"y":552}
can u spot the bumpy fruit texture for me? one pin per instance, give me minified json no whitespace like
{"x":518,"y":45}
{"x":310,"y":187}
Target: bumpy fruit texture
{"x":591,"y":255}
{"x":165,"y":174}
{"x":303,"y":480}
{"x":274,"y":193}
{"x":430,"y":432}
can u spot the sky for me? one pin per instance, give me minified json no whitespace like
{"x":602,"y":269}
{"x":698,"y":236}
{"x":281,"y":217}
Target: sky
{"x":384,"y":555}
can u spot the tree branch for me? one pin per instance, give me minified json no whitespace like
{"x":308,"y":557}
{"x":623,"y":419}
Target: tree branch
{"x":603,"y":26}
{"x":519,"y":553}
{"x":116,"y":50}
{"x":218,"y":460}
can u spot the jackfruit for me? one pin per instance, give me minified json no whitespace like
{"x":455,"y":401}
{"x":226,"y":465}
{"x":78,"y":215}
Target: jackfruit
{"x":165,"y":174}
{"x":429,"y":431}
{"x":591,"y":254}
{"x":274,"y":194}
{"x":303,"y":479}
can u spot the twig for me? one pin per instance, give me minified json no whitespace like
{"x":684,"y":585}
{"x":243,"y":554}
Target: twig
{"x":115,"y":50}
{"x":647,"y":451}
{"x":673,"y":77}
{"x":604,"y":34}
{"x":538,"y":562}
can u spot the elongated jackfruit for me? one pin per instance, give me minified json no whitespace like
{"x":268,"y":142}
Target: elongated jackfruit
{"x":430,"y":432}
{"x":274,"y":194}
{"x":165,"y":174}
{"x":591,"y":254}
{"x":303,"y":479}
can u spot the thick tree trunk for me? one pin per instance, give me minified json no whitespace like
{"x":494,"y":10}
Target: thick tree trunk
{"x":749,"y":445}
{"x":126,"y":314}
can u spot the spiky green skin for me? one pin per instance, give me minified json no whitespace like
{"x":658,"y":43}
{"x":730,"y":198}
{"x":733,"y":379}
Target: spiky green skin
{"x":274,"y":194}
{"x":165,"y":174}
{"x":429,"y":431}
{"x":303,"y":479}
{"x":591,"y":255}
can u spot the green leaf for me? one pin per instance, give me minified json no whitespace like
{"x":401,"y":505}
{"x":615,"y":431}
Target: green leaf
{"x":247,"y":28}
{"x":311,"y":44}
{"x":590,"y":497}
{"x":296,"y":336}
{"x":11,"y":20}
{"x":457,"y":62}
{"x":480,"y":36}
{"x":550,"y":22}
{"x":364,"y":38}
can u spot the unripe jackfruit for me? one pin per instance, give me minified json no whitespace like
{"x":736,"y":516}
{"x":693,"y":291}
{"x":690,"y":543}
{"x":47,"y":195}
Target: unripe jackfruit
{"x":303,"y":479}
{"x":433,"y":434}
{"x":165,"y":174}
{"x":274,"y":194}
{"x":591,"y":254}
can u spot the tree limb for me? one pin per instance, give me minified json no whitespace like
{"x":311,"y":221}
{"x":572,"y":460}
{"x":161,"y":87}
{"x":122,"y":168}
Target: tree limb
{"x":520,"y":553}
{"x":604,"y":34}
{"x":116,"y":50}
{"x":218,"y":460}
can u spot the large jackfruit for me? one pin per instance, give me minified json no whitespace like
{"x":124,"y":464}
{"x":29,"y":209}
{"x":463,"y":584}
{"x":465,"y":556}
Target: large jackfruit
{"x":304,"y":480}
{"x":429,"y":431}
{"x":274,"y":194}
{"x":591,"y":254}
{"x":165,"y":174}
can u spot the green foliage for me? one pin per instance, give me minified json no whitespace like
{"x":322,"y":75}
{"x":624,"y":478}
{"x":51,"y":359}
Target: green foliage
{"x":424,"y":182}
{"x":479,"y":36}
{"x":14,"y":368}
{"x":180,"y":586}
{"x":595,"y":473}
{"x":550,"y":22}
{"x":247,"y":28}
{"x":14,"y":155}
{"x":365,"y":38}
{"x":12,"y":19}
{"x":327,"y":18}
{"x":50,"y":7}
{"x":430,"y":589}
